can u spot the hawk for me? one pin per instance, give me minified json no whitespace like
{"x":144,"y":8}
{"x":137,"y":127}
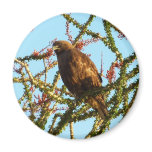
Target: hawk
{"x":79,"y":74}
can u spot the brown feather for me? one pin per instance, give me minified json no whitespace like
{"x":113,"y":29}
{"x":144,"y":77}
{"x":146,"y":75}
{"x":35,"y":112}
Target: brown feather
{"x":79,"y":74}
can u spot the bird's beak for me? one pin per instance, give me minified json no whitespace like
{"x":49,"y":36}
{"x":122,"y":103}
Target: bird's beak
{"x":55,"y":47}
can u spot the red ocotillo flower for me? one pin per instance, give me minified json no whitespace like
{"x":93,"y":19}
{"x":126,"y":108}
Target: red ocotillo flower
{"x":111,"y":74}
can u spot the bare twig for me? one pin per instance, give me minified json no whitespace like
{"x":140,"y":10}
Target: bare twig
{"x":45,"y":70}
{"x":26,"y":68}
{"x":71,"y":130}
{"x":83,"y":29}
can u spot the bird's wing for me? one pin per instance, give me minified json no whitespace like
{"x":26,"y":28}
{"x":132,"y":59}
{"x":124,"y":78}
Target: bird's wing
{"x":84,"y":71}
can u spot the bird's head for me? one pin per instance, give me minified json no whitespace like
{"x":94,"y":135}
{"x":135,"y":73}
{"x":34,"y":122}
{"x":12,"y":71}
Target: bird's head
{"x":60,"y":46}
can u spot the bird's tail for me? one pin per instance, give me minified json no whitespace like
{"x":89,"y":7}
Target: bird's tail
{"x":98,"y":104}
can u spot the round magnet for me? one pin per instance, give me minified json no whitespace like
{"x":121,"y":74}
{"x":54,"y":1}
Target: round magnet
{"x":76,"y":76}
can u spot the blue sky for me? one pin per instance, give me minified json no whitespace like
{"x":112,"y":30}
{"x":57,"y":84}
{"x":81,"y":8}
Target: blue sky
{"x":55,"y":28}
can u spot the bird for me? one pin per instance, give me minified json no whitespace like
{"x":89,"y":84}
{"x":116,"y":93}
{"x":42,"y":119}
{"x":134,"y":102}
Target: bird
{"x":79,"y":74}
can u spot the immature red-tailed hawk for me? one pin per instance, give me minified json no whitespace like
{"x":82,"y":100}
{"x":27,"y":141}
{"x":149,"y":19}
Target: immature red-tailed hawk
{"x":79,"y":74}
